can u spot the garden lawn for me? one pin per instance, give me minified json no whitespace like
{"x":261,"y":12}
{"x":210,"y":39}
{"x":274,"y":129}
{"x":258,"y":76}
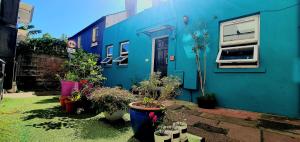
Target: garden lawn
{"x":41,"y":119}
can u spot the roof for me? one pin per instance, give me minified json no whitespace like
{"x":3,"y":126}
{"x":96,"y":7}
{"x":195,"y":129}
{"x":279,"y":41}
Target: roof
{"x":94,"y":23}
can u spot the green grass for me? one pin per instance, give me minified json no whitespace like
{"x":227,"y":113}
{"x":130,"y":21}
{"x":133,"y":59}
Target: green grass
{"x":41,"y":119}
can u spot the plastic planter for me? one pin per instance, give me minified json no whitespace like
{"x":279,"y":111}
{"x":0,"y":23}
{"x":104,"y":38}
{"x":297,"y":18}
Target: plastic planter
{"x":182,"y":126}
{"x":68,"y":86}
{"x":162,"y":138}
{"x":69,"y":106}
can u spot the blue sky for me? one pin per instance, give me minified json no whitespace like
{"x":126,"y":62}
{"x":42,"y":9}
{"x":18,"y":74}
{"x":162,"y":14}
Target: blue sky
{"x":59,"y":17}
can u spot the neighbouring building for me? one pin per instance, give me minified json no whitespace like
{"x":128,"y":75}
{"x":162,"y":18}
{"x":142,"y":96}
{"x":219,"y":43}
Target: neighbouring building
{"x":253,"y":55}
{"x":8,"y":35}
{"x":25,"y":15}
{"x":91,"y":38}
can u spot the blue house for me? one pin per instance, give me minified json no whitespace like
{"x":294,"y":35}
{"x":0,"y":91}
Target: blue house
{"x":90,"y":38}
{"x":253,"y":53}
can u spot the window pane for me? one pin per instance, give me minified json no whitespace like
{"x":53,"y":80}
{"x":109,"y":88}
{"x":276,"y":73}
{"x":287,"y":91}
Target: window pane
{"x":110,"y":50}
{"x":240,"y":31}
{"x":125,"y":47}
{"x":234,"y":54}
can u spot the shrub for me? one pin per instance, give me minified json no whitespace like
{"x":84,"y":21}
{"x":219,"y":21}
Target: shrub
{"x":111,"y":100}
{"x":157,"y":89}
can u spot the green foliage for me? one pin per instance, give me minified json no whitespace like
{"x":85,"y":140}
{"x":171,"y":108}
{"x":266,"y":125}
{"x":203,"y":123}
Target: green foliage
{"x":111,"y":100}
{"x":76,"y":95}
{"x":43,"y":45}
{"x":31,"y":30}
{"x":84,"y":65}
{"x":70,"y":76}
{"x":157,"y":89}
{"x":200,"y":36}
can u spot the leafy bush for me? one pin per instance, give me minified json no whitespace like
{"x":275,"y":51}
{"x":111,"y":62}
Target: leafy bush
{"x":157,"y":89}
{"x":43,"y":45}
{"x":84,"y":66}
{"x":111,"y":100}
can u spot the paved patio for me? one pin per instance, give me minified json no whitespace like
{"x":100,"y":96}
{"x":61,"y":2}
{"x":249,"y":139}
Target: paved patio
{"x":227,"y":125}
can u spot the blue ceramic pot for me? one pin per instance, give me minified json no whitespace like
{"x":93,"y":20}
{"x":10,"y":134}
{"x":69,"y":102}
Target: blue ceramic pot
{"x":141,"y":123}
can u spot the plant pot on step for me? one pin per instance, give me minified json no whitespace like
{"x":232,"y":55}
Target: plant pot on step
{"x":114,"y":116}
{"x":69,"y":106}
{"x":162,"y":137}
{"x":141,"y":124}
{"x":182,"y":126}
{"x":208,"y":101}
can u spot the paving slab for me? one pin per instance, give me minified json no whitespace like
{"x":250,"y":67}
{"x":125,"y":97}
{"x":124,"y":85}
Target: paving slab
{"x":241,"y":133}
{"x":269,"y":136}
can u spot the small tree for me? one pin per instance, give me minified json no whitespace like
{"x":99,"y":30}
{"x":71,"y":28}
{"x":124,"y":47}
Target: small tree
{"x":200,"y":46}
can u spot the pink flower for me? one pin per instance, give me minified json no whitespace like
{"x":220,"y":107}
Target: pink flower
{"x":154,"y":119}
{"x":151,"y":115}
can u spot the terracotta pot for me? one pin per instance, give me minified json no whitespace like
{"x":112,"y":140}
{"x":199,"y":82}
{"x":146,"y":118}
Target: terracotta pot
{"x":69,"y":106}
{"x":162,"y":138}
{"x":182,"y":126}
{"x":62,"y":101}
{"x":141,"y":123}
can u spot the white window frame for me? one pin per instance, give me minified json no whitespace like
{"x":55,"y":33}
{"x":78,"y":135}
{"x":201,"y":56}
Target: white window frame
{"x":94,"y":37}
{"x":236,"y":44}
{"x":122,"y":54}
{"x":255,"y":18}
{"x":79,"y":42}
{"x":255,"y":55}
{"x":110,"y":56}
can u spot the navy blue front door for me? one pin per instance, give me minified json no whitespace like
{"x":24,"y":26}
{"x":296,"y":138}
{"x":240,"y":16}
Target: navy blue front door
{"x":161,"y":56}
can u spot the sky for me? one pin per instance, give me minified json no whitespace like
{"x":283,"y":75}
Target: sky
{"x":68,"y":17}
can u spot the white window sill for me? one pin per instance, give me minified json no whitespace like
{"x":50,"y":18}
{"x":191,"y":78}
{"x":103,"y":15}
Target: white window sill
{"x":94,"y":44}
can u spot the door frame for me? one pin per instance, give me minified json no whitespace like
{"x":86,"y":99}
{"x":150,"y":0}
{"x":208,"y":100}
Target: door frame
{"x":153,"y":50}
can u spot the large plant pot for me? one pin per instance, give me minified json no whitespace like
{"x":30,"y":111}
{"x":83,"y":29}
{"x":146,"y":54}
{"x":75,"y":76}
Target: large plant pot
{"x":182,"y":127}
{"x":141,"y":123}
{"x":68,"y":86}
{"x":69,"y":106}
{"x":115,"y":116}
{"x":62,"y":100}
{"x":207,"y":103}
{"x":162,"y":138}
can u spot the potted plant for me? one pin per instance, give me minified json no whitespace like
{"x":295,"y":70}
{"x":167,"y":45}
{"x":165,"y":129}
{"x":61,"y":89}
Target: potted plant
{"x":201,"y":38}
{"x":182,"y":127}
{"x":207,"y":101}
{"x":162,"y":136}
{"x":113,"y":102}
{"x":174,"y":132}
{"x":153,"y":91}
{"x":70,"y":101}
{"x":80,"y":66}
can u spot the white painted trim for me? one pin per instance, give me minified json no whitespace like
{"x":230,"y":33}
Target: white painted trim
{"x":79,"y":42}
{"x":255,"y":18}
{"x":153,"y":50}
{"x":257,"y":41}
{"x":255,"y":55}
{"x":107,"y":53}
{"x":122,"y":43}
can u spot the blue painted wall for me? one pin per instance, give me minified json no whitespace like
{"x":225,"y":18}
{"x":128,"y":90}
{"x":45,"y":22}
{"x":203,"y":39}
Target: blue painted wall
{"x":86,"y":37}
{"x":271,"y":88}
